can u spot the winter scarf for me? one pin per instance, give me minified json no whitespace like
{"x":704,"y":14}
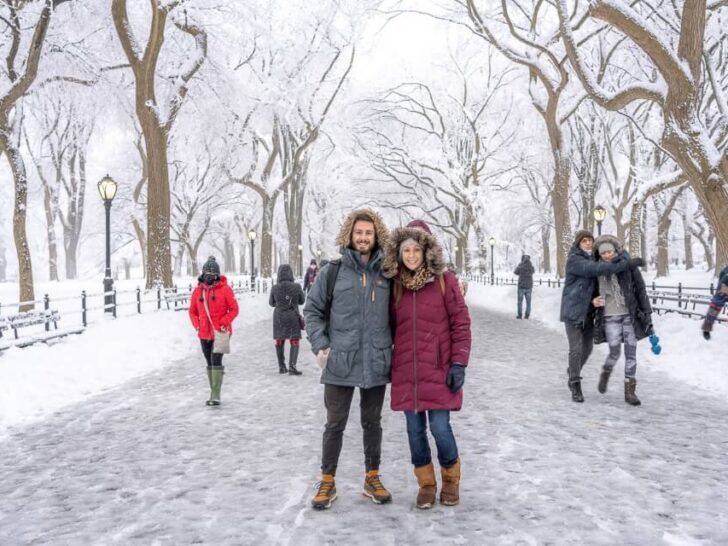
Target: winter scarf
{"x":414,"y":280}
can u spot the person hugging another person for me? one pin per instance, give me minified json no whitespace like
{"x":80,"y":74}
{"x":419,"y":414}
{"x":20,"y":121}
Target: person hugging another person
{"x":623,"y":316}
{"x":431,"y":327}
{"x":286,"y":295}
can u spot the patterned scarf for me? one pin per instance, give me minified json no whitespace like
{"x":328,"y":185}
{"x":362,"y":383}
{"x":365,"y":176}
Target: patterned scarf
{"x":616,"y":290}
{"x":414,"y":280}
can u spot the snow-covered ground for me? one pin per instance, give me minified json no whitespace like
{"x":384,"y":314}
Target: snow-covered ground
{"x":105,"y":439}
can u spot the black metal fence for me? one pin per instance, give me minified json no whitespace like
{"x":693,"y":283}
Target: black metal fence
{"x":688,"y":301}
{"x":90,"y":307}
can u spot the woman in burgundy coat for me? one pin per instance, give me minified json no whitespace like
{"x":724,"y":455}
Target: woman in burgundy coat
{"x":431,"y":327}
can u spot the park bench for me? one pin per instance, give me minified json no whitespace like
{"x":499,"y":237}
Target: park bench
{"x":175,"y":299}
{"x":45,"y":317}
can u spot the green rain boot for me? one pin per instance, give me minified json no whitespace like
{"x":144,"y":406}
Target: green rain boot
{"x":216,"y":373}
{"x":209,"y":380}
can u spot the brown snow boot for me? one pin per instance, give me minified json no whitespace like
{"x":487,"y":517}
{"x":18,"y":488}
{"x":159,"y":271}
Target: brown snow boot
{"x":630,"y":396}
{"x":428,"y":486}
{"x":450,"y":492}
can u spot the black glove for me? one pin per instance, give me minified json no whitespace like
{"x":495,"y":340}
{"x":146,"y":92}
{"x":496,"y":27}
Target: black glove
{"x":706,"y":335}
{"x":455,"y":377}
{"x":634,"y":263}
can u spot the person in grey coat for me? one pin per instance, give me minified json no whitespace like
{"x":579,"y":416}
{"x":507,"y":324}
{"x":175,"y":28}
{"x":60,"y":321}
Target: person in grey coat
{"x":353,"y":346}
{"x":525,"y":271}
{"x":286,"y":295}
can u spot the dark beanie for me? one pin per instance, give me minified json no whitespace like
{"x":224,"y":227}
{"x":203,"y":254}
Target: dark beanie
{"x":211,"y":266}
{"x":581,"y":234}
{"x":420,"y":224}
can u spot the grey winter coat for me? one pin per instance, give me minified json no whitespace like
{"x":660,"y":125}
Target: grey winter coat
{"x":525,"y":273}
{"x":286,"y":295}
{"x":358,"y":332}
{"x":580,"y":284}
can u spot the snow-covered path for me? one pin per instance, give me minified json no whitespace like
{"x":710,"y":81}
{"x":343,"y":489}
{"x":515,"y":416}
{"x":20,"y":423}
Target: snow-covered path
{"x":148,"y":463}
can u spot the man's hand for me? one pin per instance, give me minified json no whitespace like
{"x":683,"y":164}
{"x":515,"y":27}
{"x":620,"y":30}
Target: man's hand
{"x":322,"y":357}
{"x":634,"y":263}
{"x":706,"y":335}
{"x":598,"y":301}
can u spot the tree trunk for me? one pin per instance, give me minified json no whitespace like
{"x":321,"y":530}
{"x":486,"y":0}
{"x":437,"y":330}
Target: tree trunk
{"x":159,"y":251}
{"x":560,"y":191}
{"x":50,"y":218}
{"x":266,"y":242}
{"x":26,"y":292}
{"x":688,"y":243}
{"x":663,"y":233}
{"x":546,"y":248}
{"x":643,"y":239}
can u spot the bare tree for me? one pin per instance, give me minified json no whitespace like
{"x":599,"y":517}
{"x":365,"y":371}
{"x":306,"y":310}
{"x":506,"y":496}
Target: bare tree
{"x":156,"y":122}
{"x":677,"y":90}
{"x":21,"y":73}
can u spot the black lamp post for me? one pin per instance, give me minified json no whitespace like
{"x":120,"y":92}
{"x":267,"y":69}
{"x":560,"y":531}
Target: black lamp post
{"x":107,"y":190}
{"x":300,"y":260}
{"x":251,"y":237}
{"x":492,"y":273}
{"x":600,"y":213}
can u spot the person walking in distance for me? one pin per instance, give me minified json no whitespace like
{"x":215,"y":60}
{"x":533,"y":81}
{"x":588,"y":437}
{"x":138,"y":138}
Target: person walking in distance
{"x":347,"y":322}
{"x":431,"y":350}
{"x":524,"y":270}
{"x":213,"y":307}
{"x":717,"y":302}
{"x":286,"y":295}
{"x":310,"y":276}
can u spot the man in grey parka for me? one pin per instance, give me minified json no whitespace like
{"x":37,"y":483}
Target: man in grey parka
{"x":354,"y":348}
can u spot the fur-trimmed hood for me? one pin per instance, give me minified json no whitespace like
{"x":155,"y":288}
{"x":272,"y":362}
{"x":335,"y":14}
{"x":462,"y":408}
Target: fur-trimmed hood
{"x":343,"y":239}
{"x":618,"y":247}
{"x":432,"y":250}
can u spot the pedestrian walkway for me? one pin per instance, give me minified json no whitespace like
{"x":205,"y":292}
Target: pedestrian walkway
{"x":148,"y":463}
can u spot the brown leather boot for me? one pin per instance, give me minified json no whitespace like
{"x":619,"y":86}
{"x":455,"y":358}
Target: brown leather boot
{"x":630,"y":396}
{"x":450,"y":492}
{"x":428,"y":486}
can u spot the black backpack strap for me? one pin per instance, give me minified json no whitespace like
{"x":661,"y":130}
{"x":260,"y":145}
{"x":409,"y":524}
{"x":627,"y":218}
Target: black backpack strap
{"x":331,"y":275}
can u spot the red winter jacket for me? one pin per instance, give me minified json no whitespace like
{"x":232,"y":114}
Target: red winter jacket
{"x":222,"y":304}
{"x":431,"y":331}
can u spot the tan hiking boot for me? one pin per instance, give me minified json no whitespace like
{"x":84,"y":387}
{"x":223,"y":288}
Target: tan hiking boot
{"x":374,"y":489}
{"x":326,"y":493}
{"x":428,"y":486}
{"x":450,"y":492}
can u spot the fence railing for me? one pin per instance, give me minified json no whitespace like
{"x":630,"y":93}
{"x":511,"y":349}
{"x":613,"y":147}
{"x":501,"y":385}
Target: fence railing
{"x":124,"y":303}
{"x":688,"y":303}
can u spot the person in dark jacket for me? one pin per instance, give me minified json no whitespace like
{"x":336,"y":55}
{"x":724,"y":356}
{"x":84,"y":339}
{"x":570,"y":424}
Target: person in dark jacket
{"x":310,"y":276}
{"x":525,"y":271}
{"x":212,"y":307}
{"x":432,"y":340}
{"x":286,"y":295}
{"x":577,"y":312}
{"x":623,"y":316}
{"x":351,"y":339}
{"x":717,"y":302}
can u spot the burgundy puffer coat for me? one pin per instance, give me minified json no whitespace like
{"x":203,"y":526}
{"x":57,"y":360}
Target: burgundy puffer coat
{"x":222,"y":304}
{"x":432,"y":331}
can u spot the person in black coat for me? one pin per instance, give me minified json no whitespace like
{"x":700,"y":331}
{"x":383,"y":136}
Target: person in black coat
{"x":623,"y":316}
{"x":286,"y":295}
{"x":525,"y":284}
{"x":577,"y":312}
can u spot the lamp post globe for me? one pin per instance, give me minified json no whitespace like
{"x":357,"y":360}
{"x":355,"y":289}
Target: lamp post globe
{"x":107,"y":190}
{"x":491,"y":241}
{"x":251,"y":237}
{"x":600,"y":213}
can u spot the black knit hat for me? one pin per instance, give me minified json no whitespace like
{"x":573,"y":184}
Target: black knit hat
{"x":582,"y":234}
{"x":211,"y":266}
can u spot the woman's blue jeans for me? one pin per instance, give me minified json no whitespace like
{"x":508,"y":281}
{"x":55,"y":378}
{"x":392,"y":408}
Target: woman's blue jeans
{"x":447,"y":449}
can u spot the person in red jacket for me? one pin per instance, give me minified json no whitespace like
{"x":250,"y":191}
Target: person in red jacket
{"x":212,"y":289}
{"x":431,"y":326}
